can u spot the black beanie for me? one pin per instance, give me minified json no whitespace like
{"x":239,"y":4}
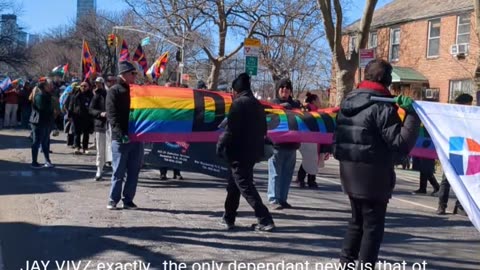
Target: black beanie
{"x":241,"y":83}
{"x":285,"y":83}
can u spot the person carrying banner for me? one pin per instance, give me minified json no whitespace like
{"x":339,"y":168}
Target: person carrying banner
{"x":444,"y":192}
{"x":242,"y":145}
{"x":368,"y":136}
{"x":127,"y":157}
{"x":282,"y":164}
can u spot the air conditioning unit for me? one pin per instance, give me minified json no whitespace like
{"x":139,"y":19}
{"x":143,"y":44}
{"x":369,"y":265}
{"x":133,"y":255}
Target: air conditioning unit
{"x":432,"y":93}
{"x":459,"y":49}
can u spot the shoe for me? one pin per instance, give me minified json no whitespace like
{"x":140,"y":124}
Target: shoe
{"x":227,"y":225}
{"x":435,"y":192}
{"x":419,"y":191}
{"x":129,"y":205}
{"x":263,"y":227}
{"x":459,"y":211}
{"x":301,"y":184}
{"x":180,"y":177}
{"x":163,"y":177}
{"x":108,"y":164}
{"x":174,"y":176}
{"x":77,"y":151}
{"x":112,"y":205}
{"x":86,"y":152}
{"x":98,"y":178}
{"x":36,"y":165}
{"x":312,"y":185}
{"x":285,"y":205}
{"x":48,"y":165}
{"x":441,"y":210}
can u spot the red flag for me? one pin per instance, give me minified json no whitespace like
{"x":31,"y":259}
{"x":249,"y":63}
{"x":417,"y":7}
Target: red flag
{"x":124,"y":54}
{"x":139,"y":57}
{"x":86,"y":58}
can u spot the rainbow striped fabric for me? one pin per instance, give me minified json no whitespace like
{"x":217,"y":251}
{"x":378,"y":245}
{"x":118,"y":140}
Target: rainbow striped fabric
{"x":163,"y":114}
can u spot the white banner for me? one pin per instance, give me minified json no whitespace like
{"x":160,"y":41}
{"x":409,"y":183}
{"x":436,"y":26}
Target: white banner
{"x":455,"y":131}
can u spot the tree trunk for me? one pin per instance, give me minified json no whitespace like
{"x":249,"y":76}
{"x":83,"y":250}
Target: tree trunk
{"x":214,"y":75}
{"x":345,"y":78}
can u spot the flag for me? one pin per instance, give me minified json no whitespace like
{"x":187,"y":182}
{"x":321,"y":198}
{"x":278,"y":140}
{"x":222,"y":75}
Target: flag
{"x":97,"y":68}
{"x":145,"y":41}
{"x":124,"y":54}
{"x":455,"y":131}
{"x":157,"y":69}
{"x":86,"y":59}
{"x":6,"y":84}
{"x":139,"y":57}
{"x":61,"y":69}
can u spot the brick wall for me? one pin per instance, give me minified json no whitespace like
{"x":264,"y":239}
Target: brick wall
{"x":413,"y":52}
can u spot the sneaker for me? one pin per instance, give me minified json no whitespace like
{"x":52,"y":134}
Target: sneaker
{"x":419,"y":191}
{"x":227,"y":225}
{"x":48,"y":165}
{"x":263,"y":227}
{"x":285,"y":205}
{"x":163,"y":177}
{"x":112,"y":205}
{"x":36,"y":165}
{"x":441,"y":210}
{"x":77,"y":152}
{"x":86,"y":152}
{"x":301,"y":184}
{"x":98,"y":178}
{"x":108,"y":164}
{"x":129,"y":205}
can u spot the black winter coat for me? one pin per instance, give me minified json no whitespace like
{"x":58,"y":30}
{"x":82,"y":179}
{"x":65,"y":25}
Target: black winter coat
{"x":118,"y":109}
{"x":367,"y":139}
{"x":97,"y":106}
{"x":244,"y":136}
{"x":78,"y":111}
{"x":288,"y":105}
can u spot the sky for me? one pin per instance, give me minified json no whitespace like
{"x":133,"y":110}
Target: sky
{"x":39,"y":16}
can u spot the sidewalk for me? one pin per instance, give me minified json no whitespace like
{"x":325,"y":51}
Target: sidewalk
{"x":60,"y":214}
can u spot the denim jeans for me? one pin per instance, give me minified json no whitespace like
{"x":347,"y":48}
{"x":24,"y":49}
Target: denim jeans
{"x":126,"y":158}
{"x":40,"y":137}
{"x":280,"y":172}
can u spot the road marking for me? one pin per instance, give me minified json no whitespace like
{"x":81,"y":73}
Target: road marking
{"x":393,"y":198}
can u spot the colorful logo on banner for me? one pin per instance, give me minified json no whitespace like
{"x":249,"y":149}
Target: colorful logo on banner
{"x":465,"y":155}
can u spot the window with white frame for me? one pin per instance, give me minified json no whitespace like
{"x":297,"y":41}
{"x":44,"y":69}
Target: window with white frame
{"x":352,"y":43}
{"x":458,"y":87}
{"x":433,"y":38}
{"x":463,"y":29}
{"x":372,"y":40}
{"x":394,"y":44}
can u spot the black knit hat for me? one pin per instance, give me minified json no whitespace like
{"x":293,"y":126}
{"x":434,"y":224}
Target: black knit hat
{"x":285,"y":83}
{"x":241,"y":83}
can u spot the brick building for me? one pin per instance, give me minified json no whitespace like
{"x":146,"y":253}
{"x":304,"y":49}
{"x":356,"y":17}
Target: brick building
{"x":431,"y":44}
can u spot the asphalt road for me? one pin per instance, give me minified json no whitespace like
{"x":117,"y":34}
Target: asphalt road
{"x":59,"y":216}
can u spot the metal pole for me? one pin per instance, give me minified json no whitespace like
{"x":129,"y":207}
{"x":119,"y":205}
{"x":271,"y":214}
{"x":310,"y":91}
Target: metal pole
{"x":183,"y":55}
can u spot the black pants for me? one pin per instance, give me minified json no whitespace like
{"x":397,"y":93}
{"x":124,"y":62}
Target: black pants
{"x":85,"y":136}
{"x":163,"y":171}
{"x":70,"y":138}
{"x":365,"y":231}
{"x":424,"y":177}
{"x":241,"y":182}
{"x":444,"y":194}
{"x":302,"y":174}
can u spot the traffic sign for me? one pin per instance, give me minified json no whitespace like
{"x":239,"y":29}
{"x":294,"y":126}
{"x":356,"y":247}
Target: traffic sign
{"x":251,"y":65}
{"x":251,"y":42}
{"x":251,"y":51}
{"x":366,"y":55}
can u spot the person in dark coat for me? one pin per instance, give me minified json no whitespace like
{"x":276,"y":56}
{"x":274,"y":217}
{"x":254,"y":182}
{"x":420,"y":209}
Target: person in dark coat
{"x":282,"y":164}
{"x":102,"y":137}
{"x":368,"y":137}
{"x":82,"y":120}
{"x":444,"y":192}
{"x":127,"y":156}
{"x":242,"y":145}
{"x":426,"y":167}
{"x":41,"y":120}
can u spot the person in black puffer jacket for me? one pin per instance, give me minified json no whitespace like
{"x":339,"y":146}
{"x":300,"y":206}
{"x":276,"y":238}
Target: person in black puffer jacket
{"x":82,"y":120}
{"x":282,"y":164}
{"x":368,"y":136}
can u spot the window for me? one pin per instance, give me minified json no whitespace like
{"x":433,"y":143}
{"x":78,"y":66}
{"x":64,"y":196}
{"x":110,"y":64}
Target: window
{"x":463,"y":29}
{"x":433,"y":38}
{"x":394,"y":44}
{"x":372,"y":40}
{"x":458,"y":87}
{"x":352,"y":43}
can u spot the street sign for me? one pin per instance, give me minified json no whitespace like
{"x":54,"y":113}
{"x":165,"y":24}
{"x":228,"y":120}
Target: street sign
{"x":251,"y":65}
{"x":251,"y":51}
{"x":366,"y":55}
{"x":251,"y":42}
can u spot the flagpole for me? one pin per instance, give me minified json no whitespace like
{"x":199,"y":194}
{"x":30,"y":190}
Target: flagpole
{"x":81,"y":60}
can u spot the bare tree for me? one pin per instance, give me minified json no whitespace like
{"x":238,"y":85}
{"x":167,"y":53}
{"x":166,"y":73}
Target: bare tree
{"x":344,"y":68}
{"x":206,"y":23}
{"x":476,"y":4}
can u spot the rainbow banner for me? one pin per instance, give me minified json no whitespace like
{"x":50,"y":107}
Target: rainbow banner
{"x":164,"y":114}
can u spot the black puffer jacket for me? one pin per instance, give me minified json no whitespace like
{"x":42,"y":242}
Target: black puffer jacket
{"x":78,"y":110}
{"x":97,"y":106}
{"x":367,"y":139}
{"x":243,"y":139}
